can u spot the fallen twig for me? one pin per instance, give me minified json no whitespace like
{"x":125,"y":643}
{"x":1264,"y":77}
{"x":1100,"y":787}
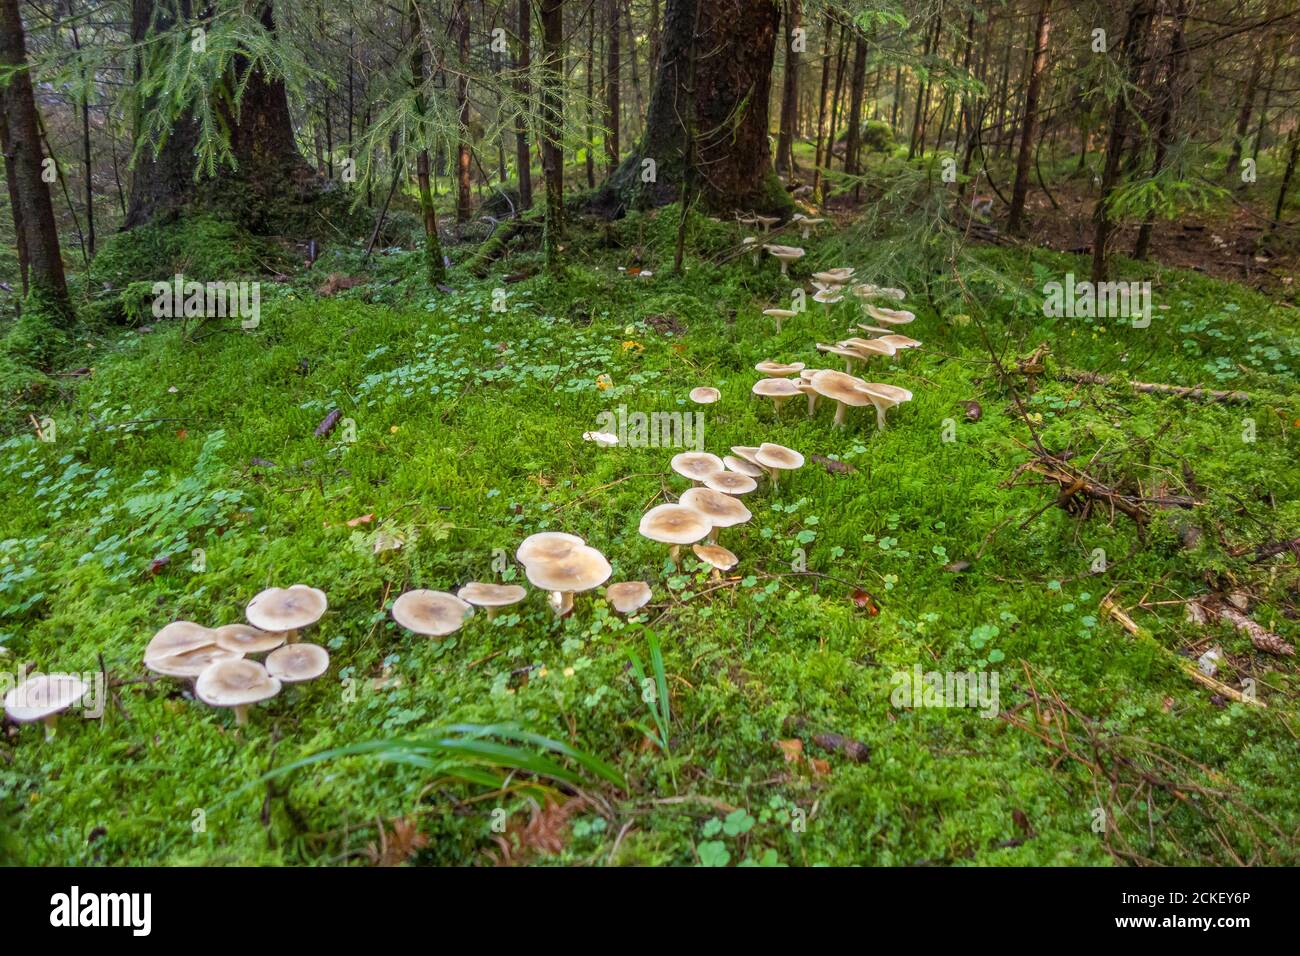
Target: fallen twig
{"x":1155,"y":388}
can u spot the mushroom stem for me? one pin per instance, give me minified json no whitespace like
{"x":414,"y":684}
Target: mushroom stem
{"x":772,"y":473}
{"x":716,"y":575}
{"x":491,"y":613}
{"x":291,"y":637}
{"x":840,"y":411}
{"x":51,"y":723}
{"x":812,"y":404}
{"x":241,"y":714}
{"x":805,"y":232}
{"x":675,"y":554}
{"x":880,"y":418}
{"x":785,"y":267}
{"x":562,"y":601}
{"x":778,"y":325}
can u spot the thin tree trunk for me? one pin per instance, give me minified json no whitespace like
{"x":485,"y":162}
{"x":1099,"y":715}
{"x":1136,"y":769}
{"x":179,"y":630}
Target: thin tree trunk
{"x":1029,"y":125}
{"x":590,"y":149}
{"x":613,"y":71}
{"x":1243,"y":118}
{"x":435,"y":268}
{"x":854,"y":141}
{"x":1293,"y":152}
{"x":464,"y":198}
{"x":790,"y":91}
{"x":523,"y":159}
{"x":552,"y":110}
{"x":820,"y":160}
{"x":1165,"y":125}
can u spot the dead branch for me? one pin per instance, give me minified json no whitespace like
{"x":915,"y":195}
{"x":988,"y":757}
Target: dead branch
{"x":1154,"y":388}
{"x":1262,"y":638}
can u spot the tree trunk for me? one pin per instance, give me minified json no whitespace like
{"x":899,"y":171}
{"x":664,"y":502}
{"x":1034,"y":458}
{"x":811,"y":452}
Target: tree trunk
{"x":589,"y":149}
{"x":270,"y":167}
{"x":464,"y":199}
{"x":1293,"y":152}
{"x":737,"y":40}
{"x":612,"y":76}
{"x":435,"y":267}
{"x":1165,"y":125}
{"x":789,"y":91}
{"x":47,"y":290}
{"x":1131,"y":53}
{"x":1243,"y":118}
{"x":822,"y":160}
{"x":523,"y":159}
{"x":852,"y":144}
{"x":552,"y":109}
{"x":1029,"y":125}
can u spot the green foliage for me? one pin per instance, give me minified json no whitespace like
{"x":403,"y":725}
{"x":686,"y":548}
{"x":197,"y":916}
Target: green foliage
{"x":877,"y":136}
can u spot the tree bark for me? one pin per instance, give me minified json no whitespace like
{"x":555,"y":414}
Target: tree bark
{"x":737,"y":40}
{"x":1165,"y":125}
{"x":789,"y":91}
{"x":1029,"y":125}
{"x":1243,"y":118}
{"x":552,"y":104}
{"x":852,"y":144}
{"x":47,"y":289}
{"x":612,"y":75}
{"x":821,"y":160}
{"x":464,"y":199}
{"x":523,"y":159}
{"x":435,"y":267}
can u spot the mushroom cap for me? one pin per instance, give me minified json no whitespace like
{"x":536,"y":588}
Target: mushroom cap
{"x":740,"y":466}
{"x":778,"y":369}
{"x":286,"y":609}
{"x":179,"y":637}
{"x":191,"y":664}
{"x":431,"y":613}
{"x":771,"y":455}
{"x":834,"y":277}
{"x":766,"y":220}
{"x":547,"y":544}
{"x":828,"y":296}
{"x":603,"y":439}
{"x":811,"y":221}
{"x":782,"y":313}
{"x":295,"y":663}
{"x":785,"y":253}
{"x":748,"y":240}
{"x":900,"y":341}
{"x":704,"y":395}
{"x":43,"y":695}
{"x":716,"y":555}
{"x":234,"y":683}
{"x":843,"y":350}
{"x":889,"y":316}
{"x":774,"y":388}
{"x":869,"y":346}
{"x":731,"y":483}
{"x":246,"y":639}
{"x":628,"y":596}
{"x":721,"y":511}
{"x":482,"y":594}
{"x":674,"y":524}
{"x":748,"y":453}
{"x":865,"y":290}
{"x":798,"y":217}
{"x":808,"y":373}
{"x":580,"y":570}
{"x":886,"y":395}
{"x":696,"y":465}
{"x":840,"y":387}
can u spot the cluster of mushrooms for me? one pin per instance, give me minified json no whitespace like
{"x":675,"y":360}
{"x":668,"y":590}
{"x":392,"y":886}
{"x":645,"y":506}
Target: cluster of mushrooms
{"x":218,"y":660}
{"x":783,"y":381}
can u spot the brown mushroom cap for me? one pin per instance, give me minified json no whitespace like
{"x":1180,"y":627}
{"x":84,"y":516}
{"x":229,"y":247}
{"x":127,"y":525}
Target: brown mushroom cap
{"x":889,"y":316}
{"x":884,"y":397}
{"x":431,"y":613}
{"x":840,"y":387}
{"x":235,"y":683}
{"x":190,"y":664}
{"x":295,"y":663}
{"x":721,"y":511}
{"x":842,"y":350}
{"x":900,"y":341}
{"x":42,"y":696}
{"x":832,"y":277}
{"x":731,"y":483}
{"x":179,"y":637}
{"x":627,"y":597}
{"x":482,"y":594}
{"x":771,"y":455}
{"x":869,"y":346}
{"x":786,"y":254}
{"x":741,"y":466}
{"x":748,"y":452}
{"x":696,"y":465}
{"x":774,"y":388}
{"x":547,"y":544}
{"x":286,"y":609}
{"x":827,"y":296}
{"x":716,"y":555}
{"x":247,"y":639}
{"x":674,"y":524}
{"x":580,"y":570}
{"x":704,"y":395}
{"x":778,"y":369}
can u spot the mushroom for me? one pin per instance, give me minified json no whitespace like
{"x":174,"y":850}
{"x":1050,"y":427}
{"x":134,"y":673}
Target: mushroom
{"x":430,"y":613}
{"x":742,"y":466}
{"x":808,"y":223}
{"x":731,"y":483}
{"x":777,"y":458}
{"x":805,"y":385}
{"x":704,"y":395}
{"x":696,"y":465}
{"x":778,"y":369}
{"x":843,"y":389}
{"x":581,"y":569}
{"x":866,"y":290}
{"x":850,"y":355}
{"x":766,"y":222}
{"x":603,"y":439}
{"x":832,"y":278}
{"x":547,"y":544}
{"x":286,"y":610}
{"x":785,"y":255}
{"x":246,"y":640}
{"x":717,"y":557}
{"x":748,"y":453}
{"x":628,"y":597}
{"x":189,"y":664}
{"x":43,"y":697}
{"x":900,"y":341}
{"x":236,"y":683}
{"x":780,"y":314}
{"x":178,"y":637}
{"x":884,"y":397}
{"x":889,"y":316}
{"x":491,"y":597}
{"x":721,"y":511}
{"x":675,"y":525}
{"x":828,"y":298}
{"x":866,"y":348}
{"x":777,"y":389}
{"x":751,"y":245}
{"x":295,"y":663}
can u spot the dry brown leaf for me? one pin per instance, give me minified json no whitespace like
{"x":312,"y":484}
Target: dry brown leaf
{"x":360,"y":519}
{"x":399,"y":844}
{"x":791,"y":750}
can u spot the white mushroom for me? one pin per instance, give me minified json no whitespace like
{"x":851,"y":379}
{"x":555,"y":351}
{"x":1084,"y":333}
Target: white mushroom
{"x":43,"y":697}
{"x":236,"y":683}
{"x":430,"y":613}
{"x":286,"y":610}
{"x":581,"y":569}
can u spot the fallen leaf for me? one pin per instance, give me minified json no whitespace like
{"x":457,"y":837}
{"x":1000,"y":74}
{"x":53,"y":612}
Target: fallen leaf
{"x":400,"y":843}
{"x":791,"y":750}
{"x":957,"y":567}
{"x":328,"y":423}
{"x":820,"y":768}
{"x":864,"y":600}
{"x":854,"y":750}
{"x":834,"y":467}
{"x":360,"y":519}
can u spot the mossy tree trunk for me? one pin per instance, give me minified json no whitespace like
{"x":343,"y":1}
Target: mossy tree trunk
{"x":47,"y":290}
{"x":552,"y":104}
{"x":523,"y":159}
{"x":435,"y":266}
{"x":732,"y":157}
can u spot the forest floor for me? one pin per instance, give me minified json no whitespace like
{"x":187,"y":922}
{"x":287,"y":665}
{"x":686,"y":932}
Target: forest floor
{"x":889,"y":551}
